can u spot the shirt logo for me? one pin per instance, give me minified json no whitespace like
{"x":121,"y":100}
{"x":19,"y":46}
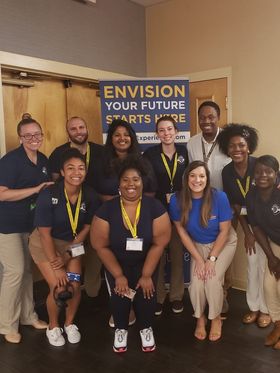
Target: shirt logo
{"x":54,"y":201}
{"x":275,"y":209}
{"x":213,"y":217}
{"x":44,"y":170}
{"x":83,"y":207}
{"x":181,"y":159}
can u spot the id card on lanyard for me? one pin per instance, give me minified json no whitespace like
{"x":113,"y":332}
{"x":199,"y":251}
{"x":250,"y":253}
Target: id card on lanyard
{"x":134,"y":243}
{"x":244,"y":193}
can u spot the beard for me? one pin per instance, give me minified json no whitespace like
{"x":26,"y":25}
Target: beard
{"x":77,"y":141}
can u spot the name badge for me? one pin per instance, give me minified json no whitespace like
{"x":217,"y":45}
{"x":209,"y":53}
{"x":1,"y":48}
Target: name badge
{"x":76,"y":250}
{"x":168,"y":196}
{"x":243,"y":210}
{"x":134,"y":244}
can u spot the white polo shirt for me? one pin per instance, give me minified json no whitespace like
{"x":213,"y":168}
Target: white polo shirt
{"x":216,"y":161}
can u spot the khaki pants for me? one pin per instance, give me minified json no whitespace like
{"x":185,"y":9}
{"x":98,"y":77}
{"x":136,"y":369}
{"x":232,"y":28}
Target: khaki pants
{"x":92,"y":275}
{"x":255,"y":283}
{"x":16,"y":292}
{"x":272,"y":288}
{"x":177,"y":277}
{"x":211,"y":291}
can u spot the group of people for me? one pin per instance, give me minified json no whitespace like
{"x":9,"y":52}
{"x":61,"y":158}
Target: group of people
{"x":125,"y":210}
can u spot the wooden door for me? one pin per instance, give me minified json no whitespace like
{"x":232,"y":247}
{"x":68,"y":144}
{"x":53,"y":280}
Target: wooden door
{"x":51,"y":104}
{"x":207,"y":90}
{"x":46,"y":102}
{"x":84,"y":101}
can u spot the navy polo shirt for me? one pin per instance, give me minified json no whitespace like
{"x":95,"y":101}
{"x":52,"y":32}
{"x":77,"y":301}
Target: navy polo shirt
{"x":111,"y":212}
{"x":265,"y":214}
{"x":153,"y":154}
{"x":96,"y":152}
{"x":108,"y":181}
{"x":51,"y":210}
{"x":18,"y":172}
{"x":230,"y":177}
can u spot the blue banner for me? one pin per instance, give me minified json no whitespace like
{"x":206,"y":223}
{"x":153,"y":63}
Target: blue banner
{"x":142,"y":102}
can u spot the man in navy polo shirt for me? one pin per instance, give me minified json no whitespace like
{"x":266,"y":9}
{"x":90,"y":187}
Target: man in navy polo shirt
{"x":77,"y":131}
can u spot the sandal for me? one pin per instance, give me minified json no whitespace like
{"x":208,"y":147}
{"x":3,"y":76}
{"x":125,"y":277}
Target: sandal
{"x":200,"y":331}
{"x":272,"y":339}
{"x":250,"y":317}
{"x":264,"y":320}
{"x":277,"y":345}
{"x":215,"y":331}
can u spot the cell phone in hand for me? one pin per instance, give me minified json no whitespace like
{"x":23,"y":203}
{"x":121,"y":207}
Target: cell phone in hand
{"x":130,"y":294}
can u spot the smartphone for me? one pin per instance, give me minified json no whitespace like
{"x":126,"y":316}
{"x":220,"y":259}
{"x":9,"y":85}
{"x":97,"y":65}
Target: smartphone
{"x":130,"y":294}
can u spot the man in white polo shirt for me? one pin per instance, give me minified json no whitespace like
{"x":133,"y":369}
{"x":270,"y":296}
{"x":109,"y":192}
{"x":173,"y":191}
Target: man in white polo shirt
{"x":204,"y":147}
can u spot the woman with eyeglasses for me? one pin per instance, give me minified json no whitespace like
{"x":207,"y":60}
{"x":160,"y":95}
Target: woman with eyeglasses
{"x":23,"y":173}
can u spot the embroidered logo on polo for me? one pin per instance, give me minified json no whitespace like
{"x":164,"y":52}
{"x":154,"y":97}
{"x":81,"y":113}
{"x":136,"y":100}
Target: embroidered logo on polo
{"x":275,"y":209}
{"x":180,"y":159}
{"x":54,"y":201}
{"x":44,"y":170}
{"x":83,"y":207}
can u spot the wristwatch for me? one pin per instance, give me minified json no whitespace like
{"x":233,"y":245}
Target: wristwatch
{"x":212,"y":258}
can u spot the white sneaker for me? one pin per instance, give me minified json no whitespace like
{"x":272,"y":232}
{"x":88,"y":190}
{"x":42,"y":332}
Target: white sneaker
{"x":73,"y":334}
{"x":120,"y":340}
{"x":55,"y":336}
{"x":148,"y":341}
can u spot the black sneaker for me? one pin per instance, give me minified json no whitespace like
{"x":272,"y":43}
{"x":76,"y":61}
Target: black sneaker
{"x":158,"y":310}
{"x":177,"y":306}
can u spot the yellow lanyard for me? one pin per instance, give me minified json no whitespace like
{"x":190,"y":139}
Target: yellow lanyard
{"x":133,"y":229}
{"x":171,"y":176}
{"x":73,"y":220}
{"x":88,"y":155}
{"x":244,"y":192}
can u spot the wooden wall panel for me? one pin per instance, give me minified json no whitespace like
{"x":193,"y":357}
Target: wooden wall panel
{"x":84,"y":102}
{"x":46,"y":102}
{"x":213,"y":90}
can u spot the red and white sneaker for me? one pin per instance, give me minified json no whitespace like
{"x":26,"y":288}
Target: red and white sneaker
{"x":148,"y":341}
{"x":120,"y":341}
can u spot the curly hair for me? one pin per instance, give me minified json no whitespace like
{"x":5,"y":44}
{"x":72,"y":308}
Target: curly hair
{"x":249,"y":134}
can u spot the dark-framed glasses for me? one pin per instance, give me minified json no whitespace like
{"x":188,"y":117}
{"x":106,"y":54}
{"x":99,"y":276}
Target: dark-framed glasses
{"x":29,"y":136}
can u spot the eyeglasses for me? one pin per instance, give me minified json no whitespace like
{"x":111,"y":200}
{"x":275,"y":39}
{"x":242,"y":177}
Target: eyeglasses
{"x":37,"y":136}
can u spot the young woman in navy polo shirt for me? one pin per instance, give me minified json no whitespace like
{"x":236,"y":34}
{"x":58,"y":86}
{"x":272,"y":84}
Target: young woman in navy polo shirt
{"x":23,"y":173}
{"x":62,"y":220}
{"x":239,"y":141}
{"x":202,"y":217}
{"x":129,"y":233}
{"x":263,"y":203}
{"x":169,"y":161}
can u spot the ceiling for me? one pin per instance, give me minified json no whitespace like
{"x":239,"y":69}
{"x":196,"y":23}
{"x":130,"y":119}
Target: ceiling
{"x":148,"y":2}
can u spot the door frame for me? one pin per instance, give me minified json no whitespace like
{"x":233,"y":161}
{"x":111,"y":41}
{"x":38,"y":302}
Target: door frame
{"x":49,"y":68}
{"x":224,"y":72}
